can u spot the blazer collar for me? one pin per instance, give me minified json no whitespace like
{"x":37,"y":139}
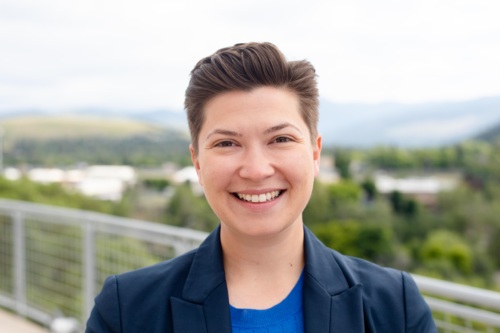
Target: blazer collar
{"x":332,"y":300}
{"x":322,"y":266}
{"x":207,"y":270}
{"x":204,"y":306}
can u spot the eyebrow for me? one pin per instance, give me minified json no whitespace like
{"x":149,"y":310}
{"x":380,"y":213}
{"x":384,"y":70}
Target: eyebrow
{"x":267,"y":131}
{"x":223,"y":132}
{"x":280,"y":127}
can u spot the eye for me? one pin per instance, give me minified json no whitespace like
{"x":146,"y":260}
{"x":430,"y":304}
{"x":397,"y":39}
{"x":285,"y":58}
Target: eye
{"x":225,"y":144}
{"x":282,"y":139}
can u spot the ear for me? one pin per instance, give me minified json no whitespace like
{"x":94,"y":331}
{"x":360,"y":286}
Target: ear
{"x":317,"y":154}
{"x":196,"y":162}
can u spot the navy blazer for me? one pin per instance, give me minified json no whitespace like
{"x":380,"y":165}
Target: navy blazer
{"x":188,"y":294}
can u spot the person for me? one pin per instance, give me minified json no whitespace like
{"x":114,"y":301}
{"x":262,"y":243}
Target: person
{"x":253,"y":119}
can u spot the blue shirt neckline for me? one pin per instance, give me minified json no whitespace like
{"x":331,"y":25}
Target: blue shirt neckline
{"x":290,"y":306}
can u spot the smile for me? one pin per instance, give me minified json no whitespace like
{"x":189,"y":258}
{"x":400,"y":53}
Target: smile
{"x":257,"y":198}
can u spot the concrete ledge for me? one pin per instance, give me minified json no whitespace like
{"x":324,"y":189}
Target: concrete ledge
{"x":11,"y":323}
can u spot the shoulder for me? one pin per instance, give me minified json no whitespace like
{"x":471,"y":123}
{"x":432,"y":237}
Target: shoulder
{"x":174,"y":266}
{"x":388,"y":291}
{"x":169,"y":274}
{"x":165,"y":278}
{"x":127,"y":299}
{"x":369,"y":274}
{"x":326,"y":261}
{"x":391,"y":300}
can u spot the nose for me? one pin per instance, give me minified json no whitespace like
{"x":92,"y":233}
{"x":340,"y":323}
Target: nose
{"x":256,"y":164}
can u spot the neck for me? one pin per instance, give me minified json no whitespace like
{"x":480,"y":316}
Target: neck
{"x":251,"y":252}
{"x":266,"y":267}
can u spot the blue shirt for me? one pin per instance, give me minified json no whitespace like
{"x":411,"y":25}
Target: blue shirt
{"x":285,"y":317}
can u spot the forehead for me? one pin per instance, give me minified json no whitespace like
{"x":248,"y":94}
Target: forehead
{"x":249,"y":104}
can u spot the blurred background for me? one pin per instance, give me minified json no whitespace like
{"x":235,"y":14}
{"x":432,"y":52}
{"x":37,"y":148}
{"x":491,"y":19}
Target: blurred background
{"x":91,"y":117}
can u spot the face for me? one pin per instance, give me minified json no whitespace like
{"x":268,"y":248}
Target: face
{"x":256,"y":161}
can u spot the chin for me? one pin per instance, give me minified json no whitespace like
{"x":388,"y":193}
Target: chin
{"x":261,"y":229}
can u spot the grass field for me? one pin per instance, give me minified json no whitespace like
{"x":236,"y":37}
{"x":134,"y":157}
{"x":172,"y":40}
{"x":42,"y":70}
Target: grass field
{"x":71,"y":126}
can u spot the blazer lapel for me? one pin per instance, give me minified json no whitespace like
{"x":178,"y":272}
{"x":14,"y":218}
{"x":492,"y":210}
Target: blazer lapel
{"x":331,"y":302}
{"x":187,"y":317}
{"x":204,"y":307}
{"x":347,"y":311}
{"x":324,"y":313}
{"x":317,"y":307}
{"x":216,"y":309}
{"x":209,"y":317}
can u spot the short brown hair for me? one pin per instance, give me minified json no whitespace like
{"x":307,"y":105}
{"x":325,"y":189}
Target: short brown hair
{"x":243,"y":67}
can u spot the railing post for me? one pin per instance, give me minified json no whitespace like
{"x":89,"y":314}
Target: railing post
{"x":181,"y":246}
{"x":19,"y":263}
{"x":89,"y":275}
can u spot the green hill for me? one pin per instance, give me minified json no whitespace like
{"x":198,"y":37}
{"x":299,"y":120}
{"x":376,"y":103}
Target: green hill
{"x":72,"y":126}
{"x":66,"y":140}
{"x":490,"y":135}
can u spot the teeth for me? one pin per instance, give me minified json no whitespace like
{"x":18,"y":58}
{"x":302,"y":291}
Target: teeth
{"x":259,"y":197}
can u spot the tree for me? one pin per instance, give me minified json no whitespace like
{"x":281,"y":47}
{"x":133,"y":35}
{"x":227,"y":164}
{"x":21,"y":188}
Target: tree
{"x":403,"y":206}
{"x":370,"y":189}
{"x":318,"y":208}
{"x":447,"y":254}
{"x":187,"y":210}
{"x":343,"y":163}
{"x":370,"y":241}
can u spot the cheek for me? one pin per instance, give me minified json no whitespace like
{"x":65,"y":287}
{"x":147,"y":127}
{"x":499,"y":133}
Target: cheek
{"x":214,"y":174}
{"x":299,"y":177}
{"x":298,"y":165}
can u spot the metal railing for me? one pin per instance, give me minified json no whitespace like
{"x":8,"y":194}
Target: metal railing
{"x":54,"y":261}
{"x":464,"y":309}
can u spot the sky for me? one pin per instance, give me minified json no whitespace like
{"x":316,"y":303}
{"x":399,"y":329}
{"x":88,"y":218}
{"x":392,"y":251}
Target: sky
{"x":64,"y":55}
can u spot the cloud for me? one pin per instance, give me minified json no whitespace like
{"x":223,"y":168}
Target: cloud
{"x":70,"y":54}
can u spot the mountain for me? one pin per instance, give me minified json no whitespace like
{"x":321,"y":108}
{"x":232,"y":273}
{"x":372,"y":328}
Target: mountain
{"x":427,"y":124}
{"x":363,"y":125}
{"x":491,"y":134}
{"x":70,"y":126}
{"x":50,"y":140}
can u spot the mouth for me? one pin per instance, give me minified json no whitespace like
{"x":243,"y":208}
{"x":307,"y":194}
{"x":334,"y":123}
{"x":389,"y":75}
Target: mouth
{"x":259,"y":198}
